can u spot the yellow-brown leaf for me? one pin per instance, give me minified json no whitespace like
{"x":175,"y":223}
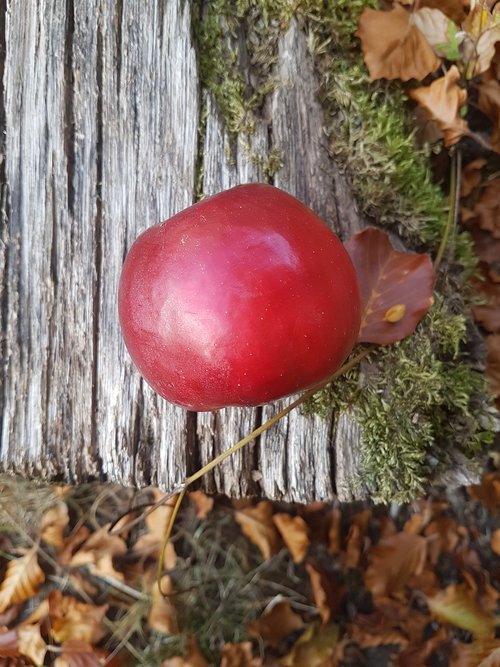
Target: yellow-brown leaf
{"x":257,"y":524}
{"x":22,"y":579}
{"x":293,"y":530}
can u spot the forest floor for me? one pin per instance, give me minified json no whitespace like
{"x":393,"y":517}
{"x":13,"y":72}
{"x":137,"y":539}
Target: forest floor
{"x":248,"y":583}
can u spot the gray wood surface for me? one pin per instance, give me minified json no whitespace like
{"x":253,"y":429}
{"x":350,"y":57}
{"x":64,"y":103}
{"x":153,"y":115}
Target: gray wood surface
{"x":101,"y":107}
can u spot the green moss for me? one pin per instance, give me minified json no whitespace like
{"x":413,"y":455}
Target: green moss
{"x":421,"y":397}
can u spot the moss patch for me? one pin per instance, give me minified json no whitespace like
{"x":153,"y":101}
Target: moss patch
{"x":419,"y":398}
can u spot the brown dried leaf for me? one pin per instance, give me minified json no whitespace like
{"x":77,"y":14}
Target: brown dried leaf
{"x":31,"y":642}
{"x":98,"y":552}
{"x":454,"y":9}
{"x":487,"y":208}
{"x":489,"y":103}
{"x":473,"y":654}
{"x":444,"y":537}
{"x":257,"y":524}
{"x":493,"y":368}
{"x":239,"y":655}
{"x":54,"y":521}
{"x":72,"y":619}
{"x":393,"y":561}
{"x":71,"y":545}
{"x":493,"y":660}
{"x":436,"y":28}
{"x":457,"y":605}
{"x":388,"y":278}
{"x":318,"y":587}
{"x":203,"y":503}
{"x":416,"y":655}
{"x":355,"y":540}
{"x":495,"y":541}
{"x":150,"y":543}
{"x":22,"y":579}
{"x":194,"y":657}
{"x":276,"y":624}
{"x":488,"y":491}
{"x":293,"y":530}
{"x":334,"y":532}
{"x":441,"y":101}
{"x":314,"y":648}
{"x":482,"y":29}
{"x":471,"y":176}
{"x":77,"y":653}
{"x":162,"y":616}
{"x":488,"y":314}
{"x":403,"y":52}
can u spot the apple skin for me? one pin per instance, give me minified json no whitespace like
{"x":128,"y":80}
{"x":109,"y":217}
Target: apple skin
{"x":239,"y":300}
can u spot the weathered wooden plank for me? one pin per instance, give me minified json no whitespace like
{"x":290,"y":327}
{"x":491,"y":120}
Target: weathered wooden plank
{"x":296,"y":457}
{"x":50,"y":256}
{"x":149,"y":121}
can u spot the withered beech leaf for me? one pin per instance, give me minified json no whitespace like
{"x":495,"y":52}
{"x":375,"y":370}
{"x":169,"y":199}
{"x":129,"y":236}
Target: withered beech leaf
{"x":393,"y":48}
{"x":257,"y":524}
{"x":314,"y":648}
{"x":203,"y":503}
{"x":293,"y":530}
{"x":389,"y":278}
{"x":441,"y":101}
{"x":72,"y":619}
{"x":492,"y":372}
{"x":495,"y":541}
{"x":54,"y":521}
{"x":276,"y":624}
{"x":457,"y":605}
{"x":194,"y":657}
{"x":475,"y":653}
{"x":488,"y":491}
{"x":471,"y":176}
{"x":22,"y":579}
{"x":488,"y":314}
{"x":31,"y":643}
{"x":98,"y":552}
{"x":489,"y":103}
{"x":393,"y":561}
{"x":150,"y":543}
{"x":487,"y":208}
{"x":481,"y":31}
{"x":162,"y":615}
{"x":239,"y":655}
{"x":440,"y":31}
{"x":77,"y":653}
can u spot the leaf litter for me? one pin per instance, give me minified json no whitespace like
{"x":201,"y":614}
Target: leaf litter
{"x":326,"y":585}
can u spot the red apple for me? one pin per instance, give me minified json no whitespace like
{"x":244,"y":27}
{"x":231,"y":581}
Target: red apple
{"x":240,"y":299}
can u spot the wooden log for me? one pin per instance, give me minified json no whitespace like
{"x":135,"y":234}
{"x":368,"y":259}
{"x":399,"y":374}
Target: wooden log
{"x":101,"y":109}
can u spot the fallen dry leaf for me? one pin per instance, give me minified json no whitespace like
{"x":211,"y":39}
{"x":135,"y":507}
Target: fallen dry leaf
{"x":328,"y":594}
{"x":276,"y":624}
{"x":454,"y":9}
{"x":473,"y":654}
{"x":488,"y":491}
{"x":194,"y":657}
{"x":257,"y":524}
{"x":487,"y":208}
{"x":441,"y":101}
{"x":355,"y":540}
{"x":393,"y":561}
{"x":493,"y":660}
{"x":162,"y":615}
{"x":489,"y":103}
{"x":492,"y":372}
{"x":72,"y":544}
{"x":72,"y":619}
{"x":488,"y":314}
{"x":403,"y":52}
{"x":495,"y":541}
{"x":53,"y":524}
{"x":481,"y":31}
{"x":388,"y":278}
{"x":22,"y":579}
{"x":416,"y":655}
{"x":334,"y":532}
{"x":314,"y":647}
{"x":23,"y":640}
{"x":239,"y":655}
{"x":293,"y":530}
{"x":439,"y":31}
{"x":98,"y":552}
{"x":471,"y":176}
{"x":203,"y":503}
{"x":150,"y":543}
{"x":443,"y":537}
{"x":77,"y":653}
{"x":458,"y":606}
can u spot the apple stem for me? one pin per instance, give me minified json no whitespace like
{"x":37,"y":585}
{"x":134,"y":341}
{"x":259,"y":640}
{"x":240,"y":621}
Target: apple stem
{"x":455,"y":173}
